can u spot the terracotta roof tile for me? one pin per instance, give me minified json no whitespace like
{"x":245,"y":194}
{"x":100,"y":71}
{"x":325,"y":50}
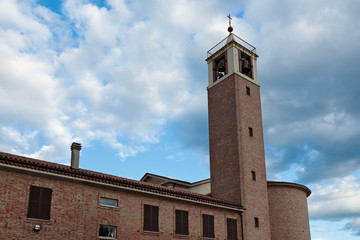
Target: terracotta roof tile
{"x":55,"y":168}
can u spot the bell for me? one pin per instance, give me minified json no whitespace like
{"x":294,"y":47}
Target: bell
{"x":221,"y":66}
{"x":245,"y":67}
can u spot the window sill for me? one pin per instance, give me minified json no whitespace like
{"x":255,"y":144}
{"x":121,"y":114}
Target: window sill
{"x":181,"y":236}
{"x":109,"y":207}
{"x":102,"y":205}
{"x":107,"y":238}
{"x":150,"y":233}
{"x":38,"y":220}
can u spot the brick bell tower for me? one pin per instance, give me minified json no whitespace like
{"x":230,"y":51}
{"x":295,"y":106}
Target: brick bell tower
{"x":237,"y":159}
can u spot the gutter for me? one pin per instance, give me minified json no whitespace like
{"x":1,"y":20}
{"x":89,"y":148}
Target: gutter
{"x":38,"y":172}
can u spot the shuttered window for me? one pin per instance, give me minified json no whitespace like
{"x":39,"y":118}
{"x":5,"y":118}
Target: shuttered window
{"x":231,"y":229}
{"x":39,"y":203}
{"x":151,"y":218}
{"x":208,"y":225}
{"x":181,"y":222}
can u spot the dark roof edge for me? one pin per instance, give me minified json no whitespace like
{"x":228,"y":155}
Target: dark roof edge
{"x":290,"y":184}
{"x":164,"y":178}
{"x":189,"y":184}
{"x":45,"y":167}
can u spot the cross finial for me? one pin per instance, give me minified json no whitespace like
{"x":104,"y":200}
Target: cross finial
{"x":230,"y":28}
{"x":229,"y":20}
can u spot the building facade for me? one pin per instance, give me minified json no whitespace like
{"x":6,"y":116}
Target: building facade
{"x":44,"y":200}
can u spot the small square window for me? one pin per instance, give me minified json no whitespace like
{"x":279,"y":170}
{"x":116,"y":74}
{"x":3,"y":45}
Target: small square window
{"x":247,"y":91}
{"x":108,"y":202}
{"x":256,"y":222}
{"x":107,"y":232}
{"x":253,"y":175}
{"x":250,"y":132}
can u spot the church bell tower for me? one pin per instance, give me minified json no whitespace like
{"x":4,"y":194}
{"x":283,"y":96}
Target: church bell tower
{"x":237,"y":159}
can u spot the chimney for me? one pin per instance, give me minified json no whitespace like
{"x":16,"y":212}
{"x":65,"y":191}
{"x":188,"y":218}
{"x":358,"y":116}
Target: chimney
{"x":75,"y":154}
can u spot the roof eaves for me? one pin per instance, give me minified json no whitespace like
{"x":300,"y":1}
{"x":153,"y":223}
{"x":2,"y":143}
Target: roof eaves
{"x":50,"y":167}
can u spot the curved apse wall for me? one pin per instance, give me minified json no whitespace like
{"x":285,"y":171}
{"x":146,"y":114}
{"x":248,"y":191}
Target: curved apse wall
{"x":288,"y":208}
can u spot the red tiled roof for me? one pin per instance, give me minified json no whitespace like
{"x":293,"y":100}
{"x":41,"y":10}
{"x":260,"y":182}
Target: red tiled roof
{"x":54,"y":168}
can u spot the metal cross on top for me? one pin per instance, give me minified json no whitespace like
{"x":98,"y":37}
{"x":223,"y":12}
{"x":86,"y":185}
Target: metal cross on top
{"x":230,"y":28}
{"x":229,"y":20}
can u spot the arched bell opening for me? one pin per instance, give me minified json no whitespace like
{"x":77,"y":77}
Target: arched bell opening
{"x":220,"y":67}
{"x":246,"y":65}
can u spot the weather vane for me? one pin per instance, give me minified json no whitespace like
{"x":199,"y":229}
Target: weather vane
{"x":230,"y":28}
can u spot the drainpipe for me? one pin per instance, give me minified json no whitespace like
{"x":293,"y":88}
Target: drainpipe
{"x":242,"y":226}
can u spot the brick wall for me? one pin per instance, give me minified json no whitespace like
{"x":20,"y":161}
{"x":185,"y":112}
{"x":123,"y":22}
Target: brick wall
{"x":234,"y":154}
{"x":288,"y":212}
{"x":76,"y":212}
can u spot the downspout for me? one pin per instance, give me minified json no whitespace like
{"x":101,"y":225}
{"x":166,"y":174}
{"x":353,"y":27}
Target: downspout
{"x":242,"y":226}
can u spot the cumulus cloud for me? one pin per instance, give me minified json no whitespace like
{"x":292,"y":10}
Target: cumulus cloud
{"x":354,"y":226}
{"x":309,"y":77}
{"x":125,"y":71}
{"x":122,"y":71}
{"x":117,"y":73}
{"x":342,"y":197}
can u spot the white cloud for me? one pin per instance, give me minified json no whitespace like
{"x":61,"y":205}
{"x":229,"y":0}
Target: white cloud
{"x":120,"y":73}
{"x":337,"y":201}
{"x":344,"y":194}
{"x":117,"y":79}
{"x":354,"y":226}
{"x":332,"y":127}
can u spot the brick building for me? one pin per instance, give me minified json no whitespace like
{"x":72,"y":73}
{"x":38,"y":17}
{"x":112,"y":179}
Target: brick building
{"x":44,"y":200}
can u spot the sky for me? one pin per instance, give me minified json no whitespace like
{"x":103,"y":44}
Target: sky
{"x":127,"y":80}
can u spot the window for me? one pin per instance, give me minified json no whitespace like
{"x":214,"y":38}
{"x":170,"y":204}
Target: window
{"x":108,"y":202}
{"x":107,"y":232}
{"x":208,"y":225}
{"x":256,"y":222}
{"x":151,"y":218}
{"x":250,"y":132}
{"x":247,"y":91}
{"x":39,"y":203}
{"x":253,"y":175}
{"x":181,"y":222}
{"x":231,"y":229}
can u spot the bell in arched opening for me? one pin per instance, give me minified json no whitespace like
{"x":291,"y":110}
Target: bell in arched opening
{"x":221,"y":65}
{"x":245,"y":66}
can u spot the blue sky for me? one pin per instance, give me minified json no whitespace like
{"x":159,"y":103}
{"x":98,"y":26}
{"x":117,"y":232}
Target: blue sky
{"x":127,"y":79}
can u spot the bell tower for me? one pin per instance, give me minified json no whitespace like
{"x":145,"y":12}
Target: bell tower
{"x":237,"y":160}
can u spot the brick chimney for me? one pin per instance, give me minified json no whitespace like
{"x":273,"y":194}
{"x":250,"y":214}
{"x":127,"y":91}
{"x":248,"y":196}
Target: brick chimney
{"x":75,"y":154}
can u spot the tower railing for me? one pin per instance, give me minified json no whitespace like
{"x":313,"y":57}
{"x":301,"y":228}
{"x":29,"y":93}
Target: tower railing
{"x":224,"y":41}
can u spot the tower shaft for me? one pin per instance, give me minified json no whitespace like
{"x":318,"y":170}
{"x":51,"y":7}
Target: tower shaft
{"x":237,"y":161}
